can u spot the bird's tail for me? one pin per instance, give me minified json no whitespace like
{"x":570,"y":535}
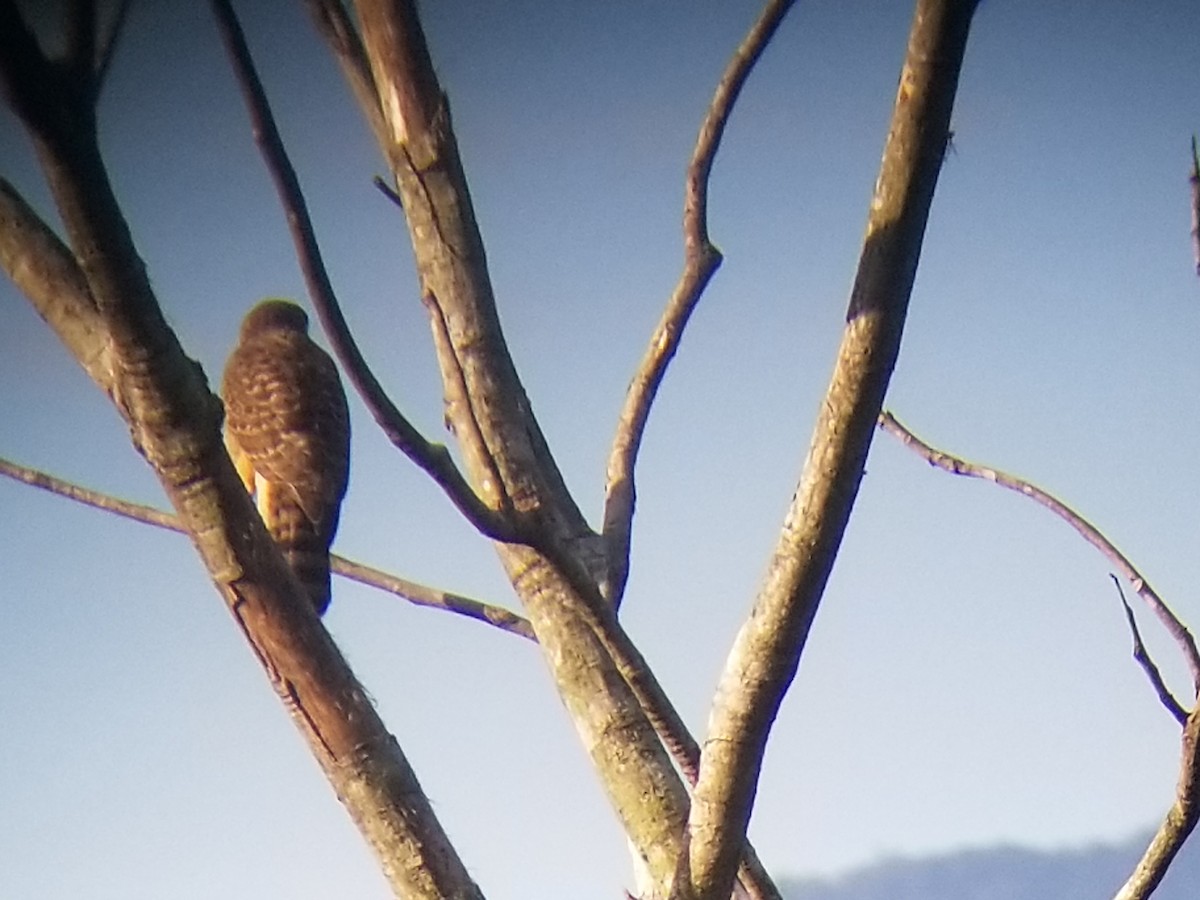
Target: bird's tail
{"x":304,"y":547}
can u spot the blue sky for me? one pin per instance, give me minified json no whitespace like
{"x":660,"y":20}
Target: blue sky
{"x":968,"y":680}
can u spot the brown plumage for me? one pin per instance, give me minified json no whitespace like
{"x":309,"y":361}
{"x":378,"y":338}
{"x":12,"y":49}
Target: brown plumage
{"x":287,"y":429}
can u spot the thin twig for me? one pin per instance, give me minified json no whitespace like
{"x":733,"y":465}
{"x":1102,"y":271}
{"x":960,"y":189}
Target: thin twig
{"x":1090,"y":533}
{"x":107,"y":46}
{"x":458,"y":398}
{"x":434,"y":459}
{"x":1194,"y":179}
{"x":387,"y":191}
{"x":413,"y":592}
{"x":1143,"y":659}
{"x":701,"y":260}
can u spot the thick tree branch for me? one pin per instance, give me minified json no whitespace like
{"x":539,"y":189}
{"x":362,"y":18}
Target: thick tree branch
{"x":434,"y":459}
{"x":44,"y":269}
{"x":80,"y":32}
{"x":452,"y":266}
{"x":1142,"y":656}
{"x":958,"y":466}
{"x":766,"y":653}
{"x":701,"y":260}
{"x":175,"y":424}
{"x":412,"y":591}
{"x":667,"y":723}
{"x":558,"y":574}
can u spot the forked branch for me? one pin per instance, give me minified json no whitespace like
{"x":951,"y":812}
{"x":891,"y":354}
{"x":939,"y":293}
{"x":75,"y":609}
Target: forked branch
{"x":958,"y":466}
{"x":434,"y":459}
{"x":1142,"y":656}
{"x":701,"y":261}
{"x":175,"y":424}
{"x":1181,"y":818}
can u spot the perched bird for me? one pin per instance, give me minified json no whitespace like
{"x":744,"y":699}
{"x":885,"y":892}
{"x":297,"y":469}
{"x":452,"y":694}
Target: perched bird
{"x":287,"y":429}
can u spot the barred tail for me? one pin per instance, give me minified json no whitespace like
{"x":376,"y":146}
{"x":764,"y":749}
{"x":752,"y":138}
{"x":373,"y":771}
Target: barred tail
{"x":304,"y":546}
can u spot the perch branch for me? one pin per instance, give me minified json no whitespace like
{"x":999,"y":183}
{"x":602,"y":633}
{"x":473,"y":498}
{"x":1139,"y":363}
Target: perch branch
{"x":175,"y":423}
{"x":958,"y":466}
{"x":1147,"y":663}
{"x":414,"y":592}
{"x":433,"y":458}
{"x":701,"y":261}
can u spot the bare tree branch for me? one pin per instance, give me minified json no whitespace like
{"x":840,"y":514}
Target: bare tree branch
{"x":1181,"y":818}
{"x":557,"y":575}
{"x":412,"y":591}
{"x":107,"y":45}
{"x":958,"y":466}
{"x":1142,"y":656}
{"x":1176,"y":826}
{"x":1194,"y":179}
{"x":44,"y":269}
{"x":434,"y":459}
{"x":80,"y":40}
{"x":461,"y":410}
{"x":766,"y":653}
{"x":175,"y":424}
{"x":341,"y":36}
{"x":701,"y":261}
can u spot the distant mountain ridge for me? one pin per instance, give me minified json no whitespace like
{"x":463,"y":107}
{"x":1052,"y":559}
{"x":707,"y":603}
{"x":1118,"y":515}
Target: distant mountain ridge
{"x":1006,"y":873}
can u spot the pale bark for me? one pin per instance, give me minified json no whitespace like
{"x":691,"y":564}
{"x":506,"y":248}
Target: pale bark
{"x":175,"y":424}
{"x":557,"y":576}
{"x":766,"y":653}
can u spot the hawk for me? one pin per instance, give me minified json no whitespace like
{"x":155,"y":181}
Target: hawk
{"x":287,"y":429}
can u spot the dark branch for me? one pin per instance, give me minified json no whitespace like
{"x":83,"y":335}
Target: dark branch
{"x":434,"y":459}
{"x":1143,"y":659}
{"x":340,"y":34}
{"x":31,"y":84}
{"x":1194,"y":179}
{"x":413,"y":592}
{"x":701,"y":260}
{"x":958,"y":466}
{"x":80,"y":41}
{"x":386,"y":190}
{"x":107,"y":46}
